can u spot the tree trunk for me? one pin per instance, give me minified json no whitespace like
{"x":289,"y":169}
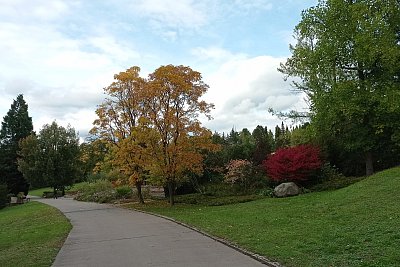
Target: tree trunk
{"x":139,"y":193}
{"x":171,"y":193}
{"x":369,"y":164}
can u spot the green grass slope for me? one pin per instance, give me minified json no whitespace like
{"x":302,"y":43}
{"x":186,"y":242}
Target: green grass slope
{"x":39,"y":192}
{"x":31,"y":234}
{"x":355,"y":226}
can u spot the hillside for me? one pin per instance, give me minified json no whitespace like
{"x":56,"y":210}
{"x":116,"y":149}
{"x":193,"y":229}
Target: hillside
{"x":355,"y":226}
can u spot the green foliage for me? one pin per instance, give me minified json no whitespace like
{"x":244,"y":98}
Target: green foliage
{"x":347,"y":56}
{"x":302,"y":135}
{"x":3,"y":195}
{"x":329,"y":178}
{"x":264,"y":144}
{"x":93,"y":177}
{"x":31,"y":234}
{"x":123,"y":192}
{"x":100,"y":191}
{"x":282,"y":136}
{"x":92,"y":153}
{"x":16,"y":125}
{"x":52,"y":157}
{"x":39,"y":191}
{"x":112,"y":175}
{"x":204,"y":200}
{"x":267,"y":192}
{"x":221,"y":189}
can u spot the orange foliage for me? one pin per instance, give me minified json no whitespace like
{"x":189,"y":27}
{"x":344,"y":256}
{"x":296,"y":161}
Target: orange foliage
{"x":152,"y":124}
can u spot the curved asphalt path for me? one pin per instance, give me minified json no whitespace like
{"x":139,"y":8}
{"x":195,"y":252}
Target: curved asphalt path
{"x":103,"y":235}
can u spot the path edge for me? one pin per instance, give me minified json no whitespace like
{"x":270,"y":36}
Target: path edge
{"x":230,"y":244}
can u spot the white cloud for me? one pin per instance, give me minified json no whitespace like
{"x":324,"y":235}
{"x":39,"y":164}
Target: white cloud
{"x":42,"y":10}
{"x":243,"y":89}
{"x":254,"y":4}
{"x":110,"y":46}
{"x":170,"y":36}
{"x":212,"y":53}
{"x":49,"y":10}
{"x":173,"y":14}
{"x":61,"y":53}
{"x":59,"y":75}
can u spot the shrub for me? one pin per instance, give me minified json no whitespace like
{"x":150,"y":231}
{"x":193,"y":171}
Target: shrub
{"x":238,"y":171}
{"x":293,"y":164}
{"x":243,"y":173}
{"x":266,"y":192}
{"x":220,"y":189}
{"x":331,"y":179}
{"x":123,"y":192}
{"x":50,"y":194}
{"x":96,"y":176}
{"x":100,"y":191}
{"x":3,"y":195}
{"x":199,"y":199}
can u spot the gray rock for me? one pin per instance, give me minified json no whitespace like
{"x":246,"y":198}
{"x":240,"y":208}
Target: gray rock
{"x":286,"y":190}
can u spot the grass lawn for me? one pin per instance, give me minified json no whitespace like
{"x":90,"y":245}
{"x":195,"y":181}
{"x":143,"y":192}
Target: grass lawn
{"x":355,"y":226}
{"x":39,"y":192}
{"x":31,"y":234}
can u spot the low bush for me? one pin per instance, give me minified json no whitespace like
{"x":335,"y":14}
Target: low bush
{"x":247,"y":177}
{"x":123,"y":192}
{"x":293,"y":164}
{"x":199,"y":199}
{"x":221,"y":189}
{"x":50,"y":194}
{"x":266,"y":192}
{"x":93,"y":177}
{"x":100,"y":191}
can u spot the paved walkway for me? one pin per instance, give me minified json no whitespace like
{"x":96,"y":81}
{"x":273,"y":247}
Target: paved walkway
{"x":103,"y":235}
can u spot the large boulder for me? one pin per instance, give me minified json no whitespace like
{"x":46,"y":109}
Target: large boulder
{"x":286,"y":190}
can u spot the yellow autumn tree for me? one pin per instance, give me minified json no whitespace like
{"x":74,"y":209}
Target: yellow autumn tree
{"x":176,"y":138}
{"x":118,"y":125}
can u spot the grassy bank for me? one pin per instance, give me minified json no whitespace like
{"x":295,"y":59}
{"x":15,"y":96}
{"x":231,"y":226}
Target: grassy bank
{"x":31,"y":234}
{"x":39,"y":192}
{"x":355,"y":226}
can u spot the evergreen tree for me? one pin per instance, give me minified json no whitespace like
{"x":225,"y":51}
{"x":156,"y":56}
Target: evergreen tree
{"x":263,"y":144}
{"x":16,"y":126}
{"x":282,"y":136}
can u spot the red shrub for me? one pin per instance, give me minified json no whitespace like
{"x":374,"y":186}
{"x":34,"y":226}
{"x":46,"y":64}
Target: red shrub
{"x":293,"y":164}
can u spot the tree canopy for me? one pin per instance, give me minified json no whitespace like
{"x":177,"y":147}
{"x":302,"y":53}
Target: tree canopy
{"x":152,"y":124}
{"x":348,"y":57}
{"x":118,"y":126}
{"x":51,"y":158}
{"x":16,"y":125}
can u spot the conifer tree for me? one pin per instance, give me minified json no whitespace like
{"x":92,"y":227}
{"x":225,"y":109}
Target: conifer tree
{"x":16,"y":126}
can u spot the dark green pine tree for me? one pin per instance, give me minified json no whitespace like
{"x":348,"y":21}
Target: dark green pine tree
{"x":16,"y":125}
{"x":264,"y":143}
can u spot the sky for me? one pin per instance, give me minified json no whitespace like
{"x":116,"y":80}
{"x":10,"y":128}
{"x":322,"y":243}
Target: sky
{"x":60,"y":54}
